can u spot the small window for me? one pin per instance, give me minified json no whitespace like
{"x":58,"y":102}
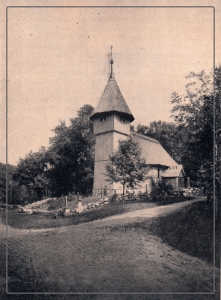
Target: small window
{"x":103,"y":118}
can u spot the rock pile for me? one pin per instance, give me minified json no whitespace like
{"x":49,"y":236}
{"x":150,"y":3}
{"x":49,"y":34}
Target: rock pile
{"x":36,"y":208}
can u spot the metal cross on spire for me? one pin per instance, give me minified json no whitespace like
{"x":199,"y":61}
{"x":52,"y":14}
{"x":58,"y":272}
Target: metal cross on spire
{"x":111,"y":51}
{"x":110,"y":54}
{"x":111,"y":63}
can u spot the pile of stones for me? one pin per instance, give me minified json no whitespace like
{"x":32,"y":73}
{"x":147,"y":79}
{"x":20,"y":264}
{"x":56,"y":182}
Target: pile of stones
{"x":97,"y":203}
{"x":36,"y":208}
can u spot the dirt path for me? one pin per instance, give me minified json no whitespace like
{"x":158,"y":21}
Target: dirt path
{"x":153,"y":212}
{"x":123,"y":218}
{"x":101,"y":257}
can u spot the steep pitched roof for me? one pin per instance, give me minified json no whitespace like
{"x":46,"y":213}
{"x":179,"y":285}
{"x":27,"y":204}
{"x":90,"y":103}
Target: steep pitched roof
{"x":173,"y":171}
{"x":112,"y":100}
{"x":152,"y":151}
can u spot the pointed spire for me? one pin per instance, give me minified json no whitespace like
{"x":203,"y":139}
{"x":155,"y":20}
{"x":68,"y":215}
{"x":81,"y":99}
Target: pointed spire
{"x":112,"y":100}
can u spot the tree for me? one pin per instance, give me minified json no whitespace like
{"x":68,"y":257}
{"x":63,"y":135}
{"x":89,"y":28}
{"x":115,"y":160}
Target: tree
{"x":66,"y":166}
{"x":126,"y":165}
{"x":71,"y":155}
{"x":31,"y":173}
{"x":194,"y":115}
{"x":13,"y":189}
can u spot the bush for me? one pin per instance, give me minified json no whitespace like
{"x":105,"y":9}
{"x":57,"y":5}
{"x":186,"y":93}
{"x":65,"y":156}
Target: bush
{"x":160,"y":191}
{"x":56,"y":204}
{"x":114,"y":198}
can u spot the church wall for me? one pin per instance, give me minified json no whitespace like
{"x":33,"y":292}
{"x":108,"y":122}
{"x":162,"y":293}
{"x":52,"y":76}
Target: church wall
{"x":104,"y":126}
{"x":153,"y":172}
{"x":121,"y":126}
{"x":171,"y":181}
{"x":99,"y":179}
{"x":104,"y":146}
{"x":116,"y":138}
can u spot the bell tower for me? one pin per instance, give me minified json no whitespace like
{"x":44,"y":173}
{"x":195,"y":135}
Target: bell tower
{"x":111,"y":123}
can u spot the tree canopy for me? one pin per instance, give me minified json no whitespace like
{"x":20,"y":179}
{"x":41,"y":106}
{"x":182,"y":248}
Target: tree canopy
{"x":66,"y":166}
{"x":197,"y":116}
{"x":126,"y":165}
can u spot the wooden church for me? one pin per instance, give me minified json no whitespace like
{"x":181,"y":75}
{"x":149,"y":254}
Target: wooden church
{"x":111,"y":123}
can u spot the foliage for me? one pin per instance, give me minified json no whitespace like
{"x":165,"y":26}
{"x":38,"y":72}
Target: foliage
{"x":194,"y":116}
{"x":13,"y":187}
{"x":190,"y":140}
{"x":71,"y":155}
{"x":160,"y":191}
{"x":31,"y":172}
{"x":126,"y":165}
{"x":65,"y":167}
{"x":114,"y":198}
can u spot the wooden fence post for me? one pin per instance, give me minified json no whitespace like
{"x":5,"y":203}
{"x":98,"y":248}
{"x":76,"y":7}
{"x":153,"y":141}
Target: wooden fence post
{"x":66,"y":201}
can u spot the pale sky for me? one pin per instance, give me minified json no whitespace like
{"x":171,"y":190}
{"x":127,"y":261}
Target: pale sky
{"x":57,"y":62}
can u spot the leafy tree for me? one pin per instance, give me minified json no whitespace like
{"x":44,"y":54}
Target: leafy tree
{"x":13,"y":189}
{"x":126,"y":165}
{"x":71,"y":155}
{"x":31,"y":172}
{"x":65,"y":167}
{"x":194,"y":115}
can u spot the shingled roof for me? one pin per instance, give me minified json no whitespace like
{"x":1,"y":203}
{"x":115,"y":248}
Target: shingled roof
{"x":152,"y":151}
{"x":174,"y":171}
{"x":112,"y":100}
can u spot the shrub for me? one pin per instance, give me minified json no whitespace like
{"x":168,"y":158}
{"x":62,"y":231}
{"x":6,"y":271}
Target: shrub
{"x":114,"y":198}
{"x":56,"y":204}
{"x":160,"y":191}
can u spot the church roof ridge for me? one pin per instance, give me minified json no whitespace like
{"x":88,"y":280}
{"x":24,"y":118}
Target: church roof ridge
{"x":145,"y":137}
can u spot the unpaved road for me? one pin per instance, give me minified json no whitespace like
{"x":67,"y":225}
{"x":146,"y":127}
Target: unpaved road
{"x":104,"y":256}
{"x":152,"y":212}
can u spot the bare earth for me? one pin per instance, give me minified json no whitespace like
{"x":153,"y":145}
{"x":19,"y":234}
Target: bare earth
{"x":105,"y":256}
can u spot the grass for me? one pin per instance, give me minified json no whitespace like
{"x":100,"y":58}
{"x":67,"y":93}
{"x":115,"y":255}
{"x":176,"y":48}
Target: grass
{"x":92,"y":257}
{"x":189,"y":230}
{"x":27,"y":221}
{"x":174,"y":199}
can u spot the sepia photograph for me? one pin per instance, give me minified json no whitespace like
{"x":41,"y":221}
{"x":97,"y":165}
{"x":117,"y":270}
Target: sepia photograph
{"x":111,"y":161}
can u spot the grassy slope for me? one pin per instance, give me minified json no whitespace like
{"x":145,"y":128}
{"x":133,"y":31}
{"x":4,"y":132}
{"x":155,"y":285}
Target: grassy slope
{"x":90,"y":255}
{"x":189,"y":230}
{"x":26,"y":221}
{"x":95,"y":258}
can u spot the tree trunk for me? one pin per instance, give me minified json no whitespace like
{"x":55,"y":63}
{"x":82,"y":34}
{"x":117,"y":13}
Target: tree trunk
{"x":123,"y":196}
